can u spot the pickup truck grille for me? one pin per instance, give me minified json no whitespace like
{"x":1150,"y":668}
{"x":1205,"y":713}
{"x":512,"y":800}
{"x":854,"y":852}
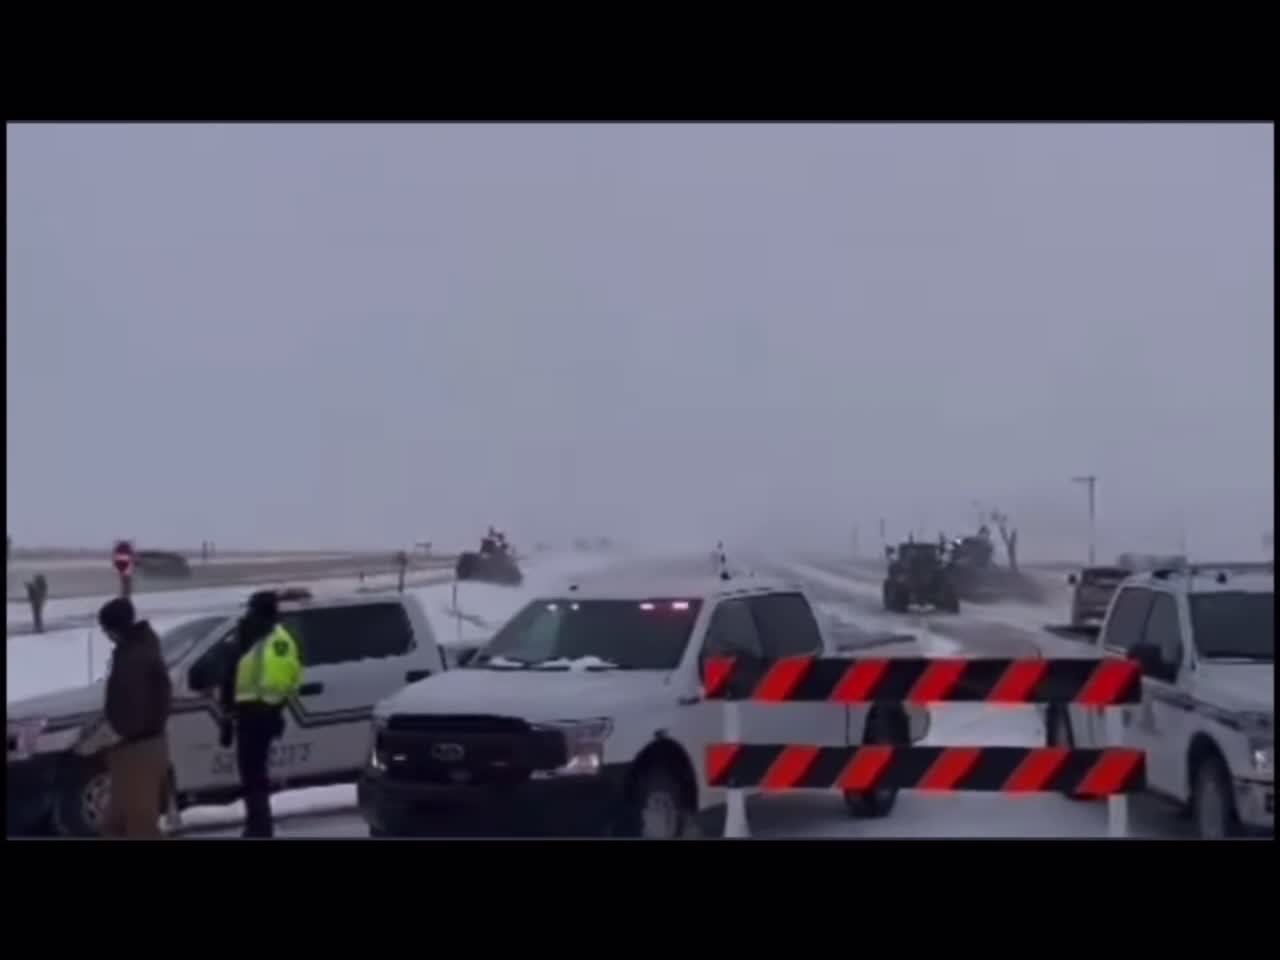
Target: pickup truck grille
{"x":467,"y":750}
{"x":457,"y":723}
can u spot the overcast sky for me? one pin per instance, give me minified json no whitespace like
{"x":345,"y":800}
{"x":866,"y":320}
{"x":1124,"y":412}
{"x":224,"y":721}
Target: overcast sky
{"x":366,"y":335}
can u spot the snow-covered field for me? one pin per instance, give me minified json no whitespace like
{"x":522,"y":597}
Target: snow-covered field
{"x":61,"y":658}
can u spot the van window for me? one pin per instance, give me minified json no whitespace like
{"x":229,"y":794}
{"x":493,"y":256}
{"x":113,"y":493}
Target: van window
{"x":786,"y":624}
{"x":328,"y":635}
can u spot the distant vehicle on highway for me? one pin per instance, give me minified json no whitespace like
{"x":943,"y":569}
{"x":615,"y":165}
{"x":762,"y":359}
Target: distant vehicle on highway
{"x":495,"y":562}
{"x":586,"y":714}
{"x":1094,"y":588}
{"x":919,"y":575}
{"x":1206,"y":641}
{"x":162,"y":564}
{"x":356,"y":651}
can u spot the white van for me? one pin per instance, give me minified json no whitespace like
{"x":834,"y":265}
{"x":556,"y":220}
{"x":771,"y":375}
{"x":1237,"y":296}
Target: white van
{"x":585,"y":714}
{"x":356,"y":650}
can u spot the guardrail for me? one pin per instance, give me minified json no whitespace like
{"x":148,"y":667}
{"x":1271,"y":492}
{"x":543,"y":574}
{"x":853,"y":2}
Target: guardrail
{"x":1111,"y":772}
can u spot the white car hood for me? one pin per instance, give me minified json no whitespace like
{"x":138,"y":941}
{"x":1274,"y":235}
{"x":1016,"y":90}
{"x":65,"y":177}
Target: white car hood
{"x":1237,"y":686}
{"x":539,"y":696}
{"x":71,"y":704}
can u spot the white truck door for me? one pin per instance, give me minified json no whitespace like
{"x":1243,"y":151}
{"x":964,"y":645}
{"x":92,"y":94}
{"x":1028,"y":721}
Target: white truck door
{"x":1161,"y":721}
{"x":787,"y":628}
{"x":198,"y":762}
{"x":1121,"y":634}
{"x":353,"y":656}
{"x":731,"y":631}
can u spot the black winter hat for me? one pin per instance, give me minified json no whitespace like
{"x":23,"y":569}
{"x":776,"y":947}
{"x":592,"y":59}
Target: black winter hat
{"x":263,"y":604}
{"x":116,"y":616}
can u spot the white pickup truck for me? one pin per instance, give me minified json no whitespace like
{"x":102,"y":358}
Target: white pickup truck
{"x":585,"y":714}
{"x":356,"y":651}
{"x":1206,"y":642}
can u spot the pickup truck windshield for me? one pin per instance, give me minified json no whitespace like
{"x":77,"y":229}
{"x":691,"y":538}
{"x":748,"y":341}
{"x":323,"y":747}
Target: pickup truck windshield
{"x":602,"y":634}
{"x":1234,"y":625}
{"x":176,"y":643}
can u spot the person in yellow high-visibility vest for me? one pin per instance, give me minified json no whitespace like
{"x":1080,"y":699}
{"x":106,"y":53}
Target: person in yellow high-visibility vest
{"x":260,"y":679}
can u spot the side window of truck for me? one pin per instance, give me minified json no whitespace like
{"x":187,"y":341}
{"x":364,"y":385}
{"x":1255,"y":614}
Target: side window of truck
{"x":1163,"y":633}
{"x":330,"y":635}
{"x":1124,"y":627}
{"x":732,"y":633}
{"x":787,"y":625}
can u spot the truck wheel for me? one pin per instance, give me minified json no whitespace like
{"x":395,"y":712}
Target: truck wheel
{"x":950,"y":601}
{"x":1211,"y":801}
{"x":658,"y":808}
{"x":83,"y":795}
{"x":887,"y":728}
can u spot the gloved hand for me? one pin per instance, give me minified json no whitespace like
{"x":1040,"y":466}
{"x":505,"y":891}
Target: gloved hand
{"x":99,"y":738}
{"x":226,"y":733}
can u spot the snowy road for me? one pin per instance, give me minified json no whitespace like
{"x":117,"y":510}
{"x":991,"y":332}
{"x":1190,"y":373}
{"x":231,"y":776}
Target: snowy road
{"x":849,"y":603}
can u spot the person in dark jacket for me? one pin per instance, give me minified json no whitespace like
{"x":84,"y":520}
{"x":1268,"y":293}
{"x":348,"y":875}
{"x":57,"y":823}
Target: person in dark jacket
{"x":138,"y":699}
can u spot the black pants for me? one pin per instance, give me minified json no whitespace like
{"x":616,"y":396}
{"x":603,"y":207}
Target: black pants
{"x":257,"y":724}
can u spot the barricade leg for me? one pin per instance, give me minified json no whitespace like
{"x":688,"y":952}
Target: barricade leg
{"x":735,"y":817}
{"x":1117,"y":805}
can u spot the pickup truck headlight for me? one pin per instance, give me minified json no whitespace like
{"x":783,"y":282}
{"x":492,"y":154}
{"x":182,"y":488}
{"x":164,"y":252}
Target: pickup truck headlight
{"x":29,"y":737}
{"x":1264,"y":758}
{"x":584,"y":740}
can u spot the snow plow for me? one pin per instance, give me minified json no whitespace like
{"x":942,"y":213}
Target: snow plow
{"x":494,"y":562}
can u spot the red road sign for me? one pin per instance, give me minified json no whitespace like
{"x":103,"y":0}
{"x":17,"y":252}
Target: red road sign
{"x":122,"y":558}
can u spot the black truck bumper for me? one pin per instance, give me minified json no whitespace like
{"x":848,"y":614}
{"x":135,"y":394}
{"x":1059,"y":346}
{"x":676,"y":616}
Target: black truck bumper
{"x":566,"y":806}
{"x":30,"y":787}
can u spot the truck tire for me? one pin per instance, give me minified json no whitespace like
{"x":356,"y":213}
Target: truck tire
{"x":83,"y":794}
{"x":885,"y":727}
{"x":657,"y":807}
{"x":1212,"y":803}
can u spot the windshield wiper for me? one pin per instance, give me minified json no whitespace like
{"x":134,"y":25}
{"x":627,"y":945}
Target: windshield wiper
{"x":1244,"y":656}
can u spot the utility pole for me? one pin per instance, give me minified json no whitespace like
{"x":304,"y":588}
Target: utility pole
{"x":1091,"y":484}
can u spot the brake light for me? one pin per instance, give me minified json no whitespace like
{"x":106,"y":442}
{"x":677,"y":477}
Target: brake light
{"x":647,"y":606}
{"x":680,"y":605}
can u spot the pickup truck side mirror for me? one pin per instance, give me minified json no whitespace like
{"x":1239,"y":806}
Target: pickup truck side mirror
{"x":1151,"y":662}
{"x":888,"y":553}
{"x":1072,"y":579}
